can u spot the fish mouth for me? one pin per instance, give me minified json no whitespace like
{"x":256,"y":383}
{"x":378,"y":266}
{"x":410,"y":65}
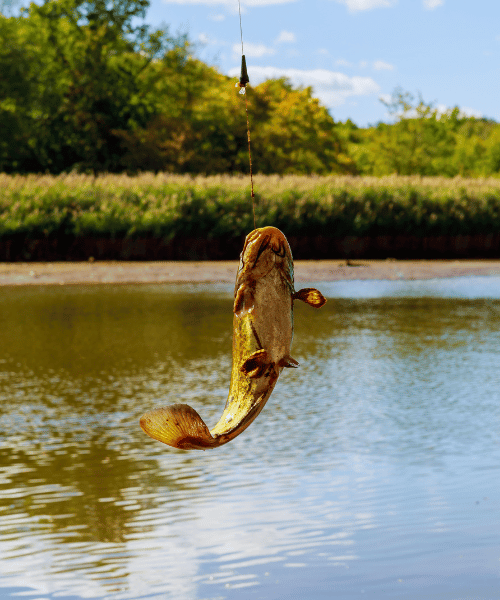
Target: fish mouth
{"x":267,"y":237}
{"x":264,"y":249}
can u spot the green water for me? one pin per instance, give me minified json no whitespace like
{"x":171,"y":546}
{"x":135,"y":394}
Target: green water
{"x":373,"y":470}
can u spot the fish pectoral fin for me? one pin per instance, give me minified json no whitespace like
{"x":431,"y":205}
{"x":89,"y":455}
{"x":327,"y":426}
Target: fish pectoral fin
{"x":310,"y":296}
{"x":256,"y":364}
{"x":288,"y":361}
{"x":179,"y":426}
{"x":243,"y":299}
{"x":239,"y":299}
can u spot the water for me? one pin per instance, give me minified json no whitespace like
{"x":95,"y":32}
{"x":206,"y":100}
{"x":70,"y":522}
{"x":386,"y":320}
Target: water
{"x":372,"y":472}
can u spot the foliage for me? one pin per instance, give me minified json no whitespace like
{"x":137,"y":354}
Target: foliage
{"x":172,"y":206}
{"x":73,"y":79}
{"x":424,"y":141}
{"x":86,"y":86}
{"x":293,"y":133}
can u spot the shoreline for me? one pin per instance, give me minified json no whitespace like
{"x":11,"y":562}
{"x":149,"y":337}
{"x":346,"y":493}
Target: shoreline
{"x":123,"y":272}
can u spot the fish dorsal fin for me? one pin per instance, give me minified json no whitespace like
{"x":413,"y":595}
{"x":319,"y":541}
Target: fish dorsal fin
{"x":179,"y":426}
{"x":256,"y":364}
{"x":288,"y":361}
{"x":310,"y":296}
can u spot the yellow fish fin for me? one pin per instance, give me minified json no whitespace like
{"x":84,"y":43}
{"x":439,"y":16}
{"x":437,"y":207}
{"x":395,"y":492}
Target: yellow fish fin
{"x":310,"y":296}
{"x":179,"y":426}
{"x":255,"y":364}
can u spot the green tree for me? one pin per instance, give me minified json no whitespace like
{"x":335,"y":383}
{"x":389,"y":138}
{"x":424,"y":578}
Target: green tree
{"x":492,"y":154}
{"x":421,"y":141}
{"x":84,"y":85}
{"x":475,"y":148}
{"x":20,"y":64}
{"x":293,"y":132}
{"x":202,"y":128}
{"x":425,"y":141}
{"x":81,"y":81}
{"x":197,"y":127}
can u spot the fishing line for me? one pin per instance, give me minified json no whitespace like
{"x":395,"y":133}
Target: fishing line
{"x":242,"y":84}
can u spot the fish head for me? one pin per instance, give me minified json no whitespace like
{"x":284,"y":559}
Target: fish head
{"x":265,"y":249}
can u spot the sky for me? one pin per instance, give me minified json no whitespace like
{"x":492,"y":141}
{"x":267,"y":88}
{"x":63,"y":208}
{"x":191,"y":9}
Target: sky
{"x":353,"y":52}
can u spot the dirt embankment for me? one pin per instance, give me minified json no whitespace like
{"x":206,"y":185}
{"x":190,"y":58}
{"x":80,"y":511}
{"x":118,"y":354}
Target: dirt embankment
{"x":402,"y":247}
{"x":109,"y":272}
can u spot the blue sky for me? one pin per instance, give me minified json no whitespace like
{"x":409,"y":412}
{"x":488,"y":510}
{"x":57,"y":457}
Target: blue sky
{"x":354,"y":51}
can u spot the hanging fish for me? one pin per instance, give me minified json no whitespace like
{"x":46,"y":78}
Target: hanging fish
{"x":262,"y":336}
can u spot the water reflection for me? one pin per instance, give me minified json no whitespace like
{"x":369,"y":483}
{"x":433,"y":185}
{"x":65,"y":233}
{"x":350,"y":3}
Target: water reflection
{"x":377,"y":453}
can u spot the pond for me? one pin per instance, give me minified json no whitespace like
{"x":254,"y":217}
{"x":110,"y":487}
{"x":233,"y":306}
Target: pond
{"x":373,"y":471}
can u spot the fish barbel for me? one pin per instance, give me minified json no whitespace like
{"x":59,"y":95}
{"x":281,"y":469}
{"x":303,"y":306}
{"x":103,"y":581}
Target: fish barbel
{"x":262,"y":337}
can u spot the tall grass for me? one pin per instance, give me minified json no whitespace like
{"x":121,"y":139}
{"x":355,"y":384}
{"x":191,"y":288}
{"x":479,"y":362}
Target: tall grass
{"x":171,"y":206}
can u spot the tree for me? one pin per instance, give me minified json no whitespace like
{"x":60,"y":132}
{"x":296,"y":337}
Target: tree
{"x":81,"y":81}
{"x":492,"y":155}
{"x":422,"y":140}
{"x":293,"y":132}
{"x":426,"y":141}
{"x":85,"y":86}
{"x":202,"y":128}
{"x":196,"y":128}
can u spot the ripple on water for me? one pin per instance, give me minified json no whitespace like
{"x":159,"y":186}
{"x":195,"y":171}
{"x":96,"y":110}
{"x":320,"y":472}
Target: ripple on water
{"x":369,"y":464}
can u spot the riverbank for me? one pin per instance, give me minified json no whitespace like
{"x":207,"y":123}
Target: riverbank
{"x":117,"y":272}
{"x":177,"y":218}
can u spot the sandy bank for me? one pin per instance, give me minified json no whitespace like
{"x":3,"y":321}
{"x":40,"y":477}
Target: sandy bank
{"x":110,"y":272}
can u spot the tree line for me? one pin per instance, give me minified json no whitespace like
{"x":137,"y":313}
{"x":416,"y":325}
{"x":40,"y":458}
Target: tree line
{"x":425,"y":141}
{"x":86,"y":86}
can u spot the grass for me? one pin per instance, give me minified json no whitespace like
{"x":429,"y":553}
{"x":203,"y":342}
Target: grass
{"x":218,"y":207}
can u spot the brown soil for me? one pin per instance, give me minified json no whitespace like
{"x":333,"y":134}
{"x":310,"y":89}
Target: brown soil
{"x":110,"y":272}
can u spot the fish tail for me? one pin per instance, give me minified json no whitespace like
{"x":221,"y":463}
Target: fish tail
{"x":178,"y":425}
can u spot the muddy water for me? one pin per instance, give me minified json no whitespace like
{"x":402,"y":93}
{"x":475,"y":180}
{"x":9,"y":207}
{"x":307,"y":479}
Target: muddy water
{"x":372,"y":472}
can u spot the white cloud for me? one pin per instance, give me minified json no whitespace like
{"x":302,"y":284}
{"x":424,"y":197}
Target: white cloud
{"x":206,"y":40}
{"x":386,"y":98}
{"x":331,"y":87}
{"x":218,"y":17}
{"x":357,"y":5}
{"x":432,"y":4}
{"x":471,"y":112}
{"x":254,"y":50}
{"x":343,"y":63}
{"x":463,"y":111}
{"x":380,"y":65}
{"x":286,"y":36}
